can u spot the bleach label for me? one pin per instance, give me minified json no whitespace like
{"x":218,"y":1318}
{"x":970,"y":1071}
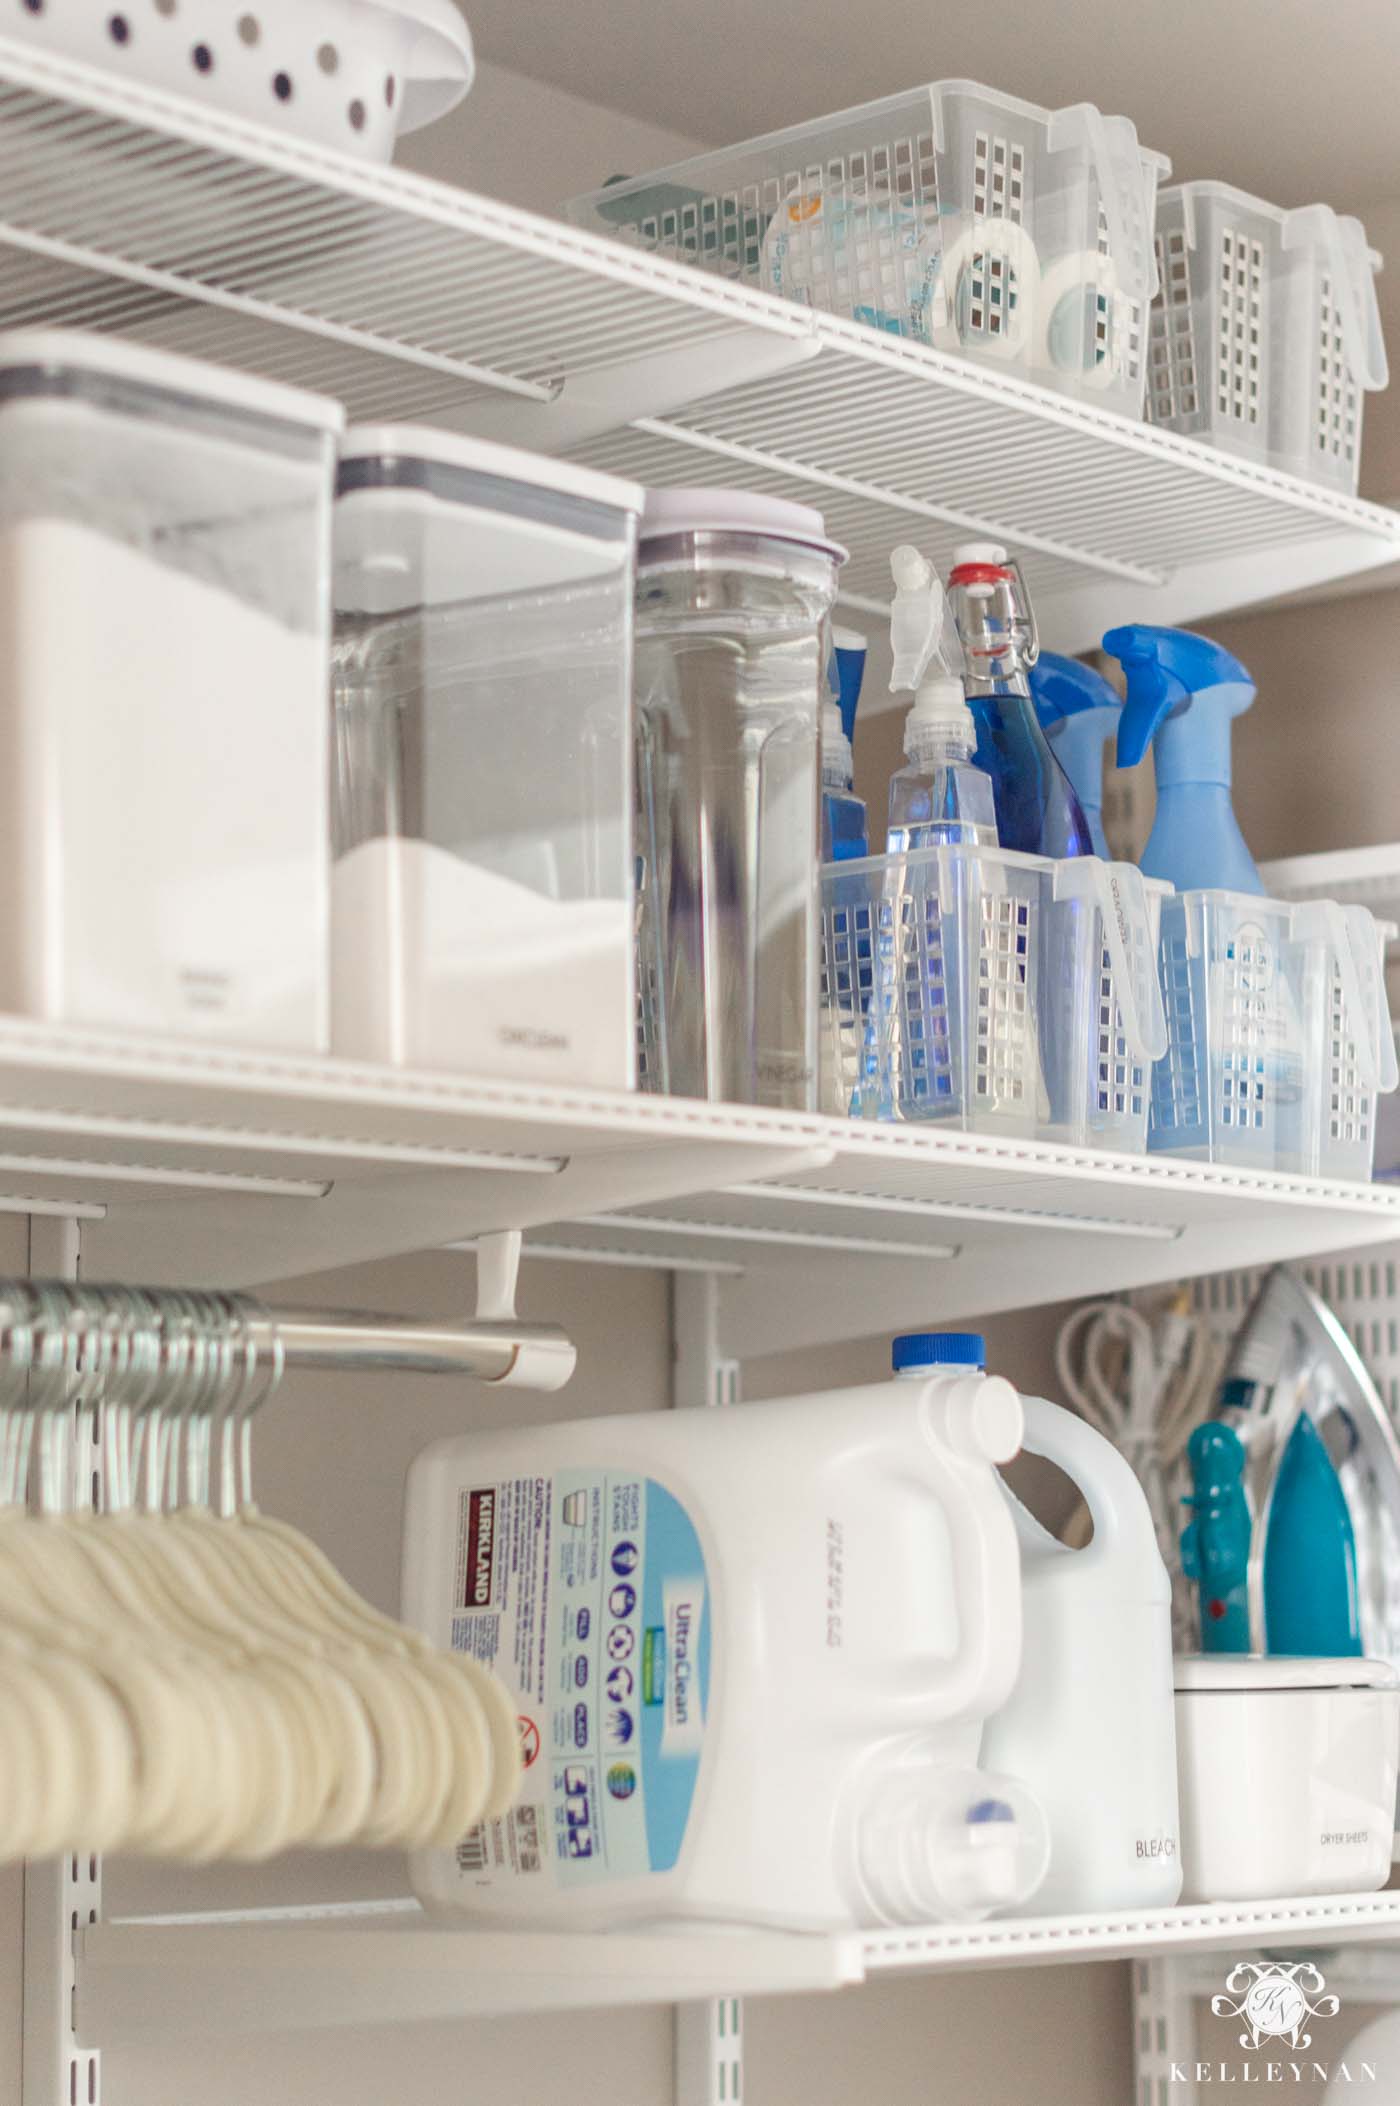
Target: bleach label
{"x":587,"y":1593}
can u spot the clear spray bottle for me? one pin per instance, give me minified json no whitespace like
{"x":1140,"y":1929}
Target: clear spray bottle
{"x":940,"y":797}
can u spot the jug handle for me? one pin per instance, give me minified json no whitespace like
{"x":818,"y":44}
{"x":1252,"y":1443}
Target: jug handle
{"x":987,"y":1569}
{"x":1107,"y":1483}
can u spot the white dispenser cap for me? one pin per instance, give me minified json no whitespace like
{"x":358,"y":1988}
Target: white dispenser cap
{"x":978,"y":552}
{"x":951,"y":1845}
{"x":940,"y":713}
{"x":836,"y":747}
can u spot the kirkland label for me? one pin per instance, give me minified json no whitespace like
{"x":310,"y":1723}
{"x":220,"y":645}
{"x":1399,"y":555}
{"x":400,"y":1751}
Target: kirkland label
{"x":587,"y":1593}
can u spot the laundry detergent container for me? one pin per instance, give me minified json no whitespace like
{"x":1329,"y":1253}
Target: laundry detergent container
{"x":953,"y":215}
{"x":1266,"y":333}
{"x":733,"y":595}
{"x":752,"y":1653}
{"x":164,"y":631}
{"x":482,"y":886}
{"x":1288,"y":1773}
{"x":350,"y":74}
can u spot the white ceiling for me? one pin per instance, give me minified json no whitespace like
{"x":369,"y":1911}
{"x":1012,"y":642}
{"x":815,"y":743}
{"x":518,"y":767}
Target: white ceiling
{"x":1295,"y":99}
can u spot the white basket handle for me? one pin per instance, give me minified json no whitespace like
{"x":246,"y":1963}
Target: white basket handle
{"x":1102,"y":159}
{"x":1119,"y":892}
{"x":1352,"y":266}
{"x":1353,"y":944}
{"x":1366,"y":955}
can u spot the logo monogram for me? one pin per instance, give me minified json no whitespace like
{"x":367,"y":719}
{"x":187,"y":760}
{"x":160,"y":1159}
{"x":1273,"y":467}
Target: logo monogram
{"x":1275,"y":2000}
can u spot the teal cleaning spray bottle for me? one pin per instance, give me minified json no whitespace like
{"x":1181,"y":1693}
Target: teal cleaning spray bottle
{"x":1183,"y":694}
{"x":1078,"y":712}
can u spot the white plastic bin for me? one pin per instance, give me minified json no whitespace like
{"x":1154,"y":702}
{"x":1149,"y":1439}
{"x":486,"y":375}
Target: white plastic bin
{"x":164,"y":632}
{"x":994,"y":992}
{"x":483,"y":916}
{"x":1231,"y":1086}
{"x":1350,"y":1045}
{"x":1278,"y":1034}
{"x":351,"y":74}
{"x":951,"y":214}
{"x":1265,"y":330}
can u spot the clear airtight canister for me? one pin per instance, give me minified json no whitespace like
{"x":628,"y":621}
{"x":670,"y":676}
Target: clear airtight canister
{"x":732,"y":595}
{"x":164,"y":629}
{"x":482,"y":887}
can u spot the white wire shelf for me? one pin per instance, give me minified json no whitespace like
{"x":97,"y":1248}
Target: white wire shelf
{"x":196,"y":1164}
{"x":216,"y":1165}
{"x":386,"y":1963}
{"x":902,"y":1226}
{"x":128,"y":211}
{"x":1367,"y":877}
{"x":1113,"y":520}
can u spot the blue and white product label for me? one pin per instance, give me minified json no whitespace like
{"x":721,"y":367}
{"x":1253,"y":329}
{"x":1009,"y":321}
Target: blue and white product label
{"x":587,"y":1593}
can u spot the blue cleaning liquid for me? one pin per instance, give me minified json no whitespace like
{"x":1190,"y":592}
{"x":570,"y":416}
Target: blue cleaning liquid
{"x":845,"y":834}
{"x":1037,"y":811}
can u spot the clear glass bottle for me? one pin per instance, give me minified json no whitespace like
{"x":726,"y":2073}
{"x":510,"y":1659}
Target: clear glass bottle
{"x":1036,"y":808}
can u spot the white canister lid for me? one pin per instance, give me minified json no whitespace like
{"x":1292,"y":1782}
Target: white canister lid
{"x":1259,"y":1672}
{"x":397,"y":444}
{"x":84,"y":352}
{"x":735,"y":512}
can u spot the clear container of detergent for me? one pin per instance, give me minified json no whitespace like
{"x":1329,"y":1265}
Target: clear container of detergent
{"x":752,"y":1652}
{"x":733,"y":592}
{"x":483,"y":910}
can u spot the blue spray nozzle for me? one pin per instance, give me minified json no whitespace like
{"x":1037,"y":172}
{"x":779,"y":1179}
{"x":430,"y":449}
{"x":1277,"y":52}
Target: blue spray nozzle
{"x":850,"y":648}
{"x":1065,"y":687}
{"x":1078,"y":712}
{"x":1166,"y":669}
{"x":1183,"y":694}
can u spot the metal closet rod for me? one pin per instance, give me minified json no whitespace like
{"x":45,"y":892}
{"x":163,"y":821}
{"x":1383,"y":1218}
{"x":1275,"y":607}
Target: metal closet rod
{"x":501,"y":1350}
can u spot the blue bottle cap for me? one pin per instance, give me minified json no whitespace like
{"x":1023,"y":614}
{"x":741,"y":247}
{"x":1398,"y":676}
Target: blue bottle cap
{"x":939,"y":1349}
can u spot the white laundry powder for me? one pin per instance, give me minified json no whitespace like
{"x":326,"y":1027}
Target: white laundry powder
{"x":163,"y":797}
{"x":440,"y":963}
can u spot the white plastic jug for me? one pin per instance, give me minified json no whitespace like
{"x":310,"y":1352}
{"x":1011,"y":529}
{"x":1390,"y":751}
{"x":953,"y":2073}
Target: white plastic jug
{"x":752,"y":1651}
{"x":1091,"y":1725}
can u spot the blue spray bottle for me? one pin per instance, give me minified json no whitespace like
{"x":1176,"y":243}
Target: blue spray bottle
{"x":1036,"y":810}
{"x":1078,"y":712}
{"x":1183,"y":694}
{"x":845,"y":832}
{"x":1215,"y":1542}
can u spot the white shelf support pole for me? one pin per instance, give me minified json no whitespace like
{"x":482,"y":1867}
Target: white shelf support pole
{"x":1164,"y":2034}
{"x":710,"y":2052}
{"x":60,"y":1899}
{"x":709,"y":2036}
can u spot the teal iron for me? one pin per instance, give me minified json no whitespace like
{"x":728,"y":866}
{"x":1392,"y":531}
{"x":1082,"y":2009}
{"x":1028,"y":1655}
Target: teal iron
{"x":1321,"y":1476}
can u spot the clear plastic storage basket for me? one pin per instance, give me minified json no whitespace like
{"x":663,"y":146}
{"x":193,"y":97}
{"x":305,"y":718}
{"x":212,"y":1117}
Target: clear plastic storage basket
{"x":993,"y":992}
{"x":1278,"y":1037}
{"x":951,"y":214}
{"x":1265,"y":330}
{"x":1350,"y":1044}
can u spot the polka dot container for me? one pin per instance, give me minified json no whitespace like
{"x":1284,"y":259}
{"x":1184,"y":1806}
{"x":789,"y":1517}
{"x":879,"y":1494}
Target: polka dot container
{"x":349,"y":74}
